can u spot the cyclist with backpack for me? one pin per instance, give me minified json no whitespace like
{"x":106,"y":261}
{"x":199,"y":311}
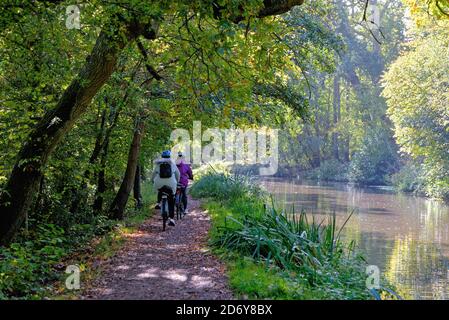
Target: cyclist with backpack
{"x":185,"y":175}
{"x":165,"y":178}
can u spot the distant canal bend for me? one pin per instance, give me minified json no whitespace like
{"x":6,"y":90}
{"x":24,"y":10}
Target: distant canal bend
{"x":407,"y":237}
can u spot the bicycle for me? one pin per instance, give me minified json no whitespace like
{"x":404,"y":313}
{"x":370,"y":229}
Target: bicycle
{"x":178,"y":202}
{"x":164,"y":209}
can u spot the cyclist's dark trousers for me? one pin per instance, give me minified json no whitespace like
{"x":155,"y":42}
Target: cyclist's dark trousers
{"x":170,"y":198}
{"x":184,"y":197}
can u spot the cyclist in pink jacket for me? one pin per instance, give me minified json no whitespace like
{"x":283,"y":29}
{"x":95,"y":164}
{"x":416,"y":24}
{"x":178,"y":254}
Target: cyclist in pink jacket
{"x":185,"y":173}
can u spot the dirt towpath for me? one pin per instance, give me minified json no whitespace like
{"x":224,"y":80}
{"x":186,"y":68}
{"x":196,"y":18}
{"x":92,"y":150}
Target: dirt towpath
{"x":174,"y":264}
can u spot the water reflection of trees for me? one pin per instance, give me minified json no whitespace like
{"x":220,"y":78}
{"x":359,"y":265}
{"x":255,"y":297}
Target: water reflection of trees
{"x":435,"y":219}
{"x":416,"y":267}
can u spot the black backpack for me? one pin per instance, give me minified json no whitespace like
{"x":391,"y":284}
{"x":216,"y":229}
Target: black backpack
{"x":165,"y":170}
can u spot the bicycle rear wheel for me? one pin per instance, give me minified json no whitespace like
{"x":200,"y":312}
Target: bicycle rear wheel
{"x":178,"y":212}
{"x":181,"y":209}
{"x":164,"y":209}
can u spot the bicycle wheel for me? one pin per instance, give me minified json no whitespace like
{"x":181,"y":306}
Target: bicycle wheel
{"x":178,"y":212}
{"x":181,"y":209}
{"x":164,"y":210}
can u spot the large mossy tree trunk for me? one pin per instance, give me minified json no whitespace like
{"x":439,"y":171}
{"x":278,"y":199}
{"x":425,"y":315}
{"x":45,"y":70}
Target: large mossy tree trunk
{"x":118,"y":205}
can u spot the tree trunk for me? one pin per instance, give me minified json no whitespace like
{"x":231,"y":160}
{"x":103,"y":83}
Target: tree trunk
{"x":81,"y":194}
{"x":316,"y":106}
{"x":38,"y":203}
{"x":348,"y":137}
{"x":101,"y":144}
{"x":101,"y":186}
{"x":117,"y":208}
{"x":137,"y":188}
{"x":336,"y":115}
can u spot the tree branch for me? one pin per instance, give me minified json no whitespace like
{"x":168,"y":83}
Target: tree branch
{"x":150,"y":69}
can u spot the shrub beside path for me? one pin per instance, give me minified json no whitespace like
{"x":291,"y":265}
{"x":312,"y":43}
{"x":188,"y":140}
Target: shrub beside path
{"x":175,"y":264}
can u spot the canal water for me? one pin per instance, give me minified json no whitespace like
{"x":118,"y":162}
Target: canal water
{"x":406,"y":236}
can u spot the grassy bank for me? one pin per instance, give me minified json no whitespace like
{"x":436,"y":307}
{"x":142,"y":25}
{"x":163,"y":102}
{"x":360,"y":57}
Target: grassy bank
{"x":34,"y":266}
{"x":271,"y":254}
